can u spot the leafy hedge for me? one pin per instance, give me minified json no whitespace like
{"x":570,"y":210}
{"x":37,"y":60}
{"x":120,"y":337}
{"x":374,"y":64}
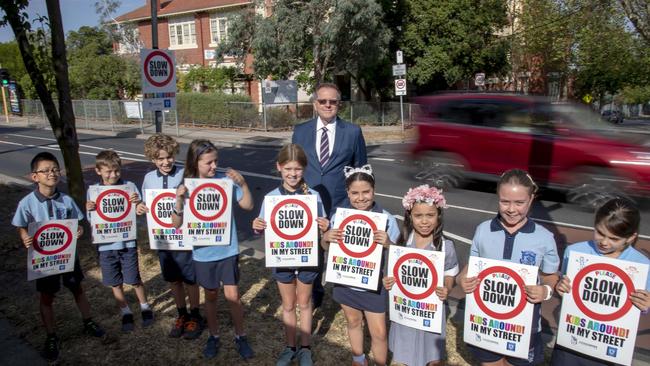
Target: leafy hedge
{"x":223,"y":110}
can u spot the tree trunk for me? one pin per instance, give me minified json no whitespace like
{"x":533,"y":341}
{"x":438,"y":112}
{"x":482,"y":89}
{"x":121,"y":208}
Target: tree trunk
{"x":62,"y":121}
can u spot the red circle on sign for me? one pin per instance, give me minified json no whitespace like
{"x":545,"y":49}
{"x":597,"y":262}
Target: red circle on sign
{"x":146,"y":69}
{"x":400,"y":83}
{"x":426,"y":261}
{"x":153,"y":210}
{"x":106,"y":193}
{"x":65,"y":229}
{"x":629,"y":285}
{"x":520,"y":282}
{"x":275,"y":212}
{"x":345,"y":249}
{"x":221,"y":210}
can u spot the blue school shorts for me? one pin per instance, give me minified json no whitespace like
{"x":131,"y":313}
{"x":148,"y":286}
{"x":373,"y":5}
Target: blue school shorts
{"x":212,"y":275}
{"x":71,"y":280}
{"x":288,"y":275}
{"x":177,"y":265}
{"x":563,"y":356}
{"x":535,"y":353}
{"x":120,"y":266}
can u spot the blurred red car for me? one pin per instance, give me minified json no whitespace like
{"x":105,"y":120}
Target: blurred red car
{"x":563,"y":145}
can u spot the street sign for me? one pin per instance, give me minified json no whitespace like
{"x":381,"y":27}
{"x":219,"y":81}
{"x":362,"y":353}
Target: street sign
{"x":479,"y":79}
{"x":400,"y":86}
{"x":400,"y":58}
{"x":399,"y":70}
{"x":158,"y":79}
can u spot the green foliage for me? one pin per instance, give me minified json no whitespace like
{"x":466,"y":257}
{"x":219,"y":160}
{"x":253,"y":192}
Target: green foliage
{"x":213,"y":109}
{"x":316,"y":39}
{"x":95,"y":71}
{"x":446,"y":41}
{"x":11,"y":60}
{"x":636,"y":94}
{"x":208,"y":79}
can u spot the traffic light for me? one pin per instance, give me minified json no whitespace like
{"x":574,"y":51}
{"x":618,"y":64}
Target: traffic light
{"x":4,"y":77}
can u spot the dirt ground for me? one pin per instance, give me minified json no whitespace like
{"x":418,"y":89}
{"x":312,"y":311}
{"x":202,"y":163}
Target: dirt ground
{"x":19,"y":305}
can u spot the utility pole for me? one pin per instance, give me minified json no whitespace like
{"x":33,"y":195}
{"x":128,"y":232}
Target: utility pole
{"x":154,"y":45}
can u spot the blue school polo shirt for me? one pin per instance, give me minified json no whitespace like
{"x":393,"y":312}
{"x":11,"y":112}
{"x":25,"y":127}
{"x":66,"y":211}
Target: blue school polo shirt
{"x":155,"y":180}
{"x":589,"y":247}
{"x":532,"y":244}
{"x":118,"y":245}
{"x":218,"y":252}
{"x":281,"y":191}
{"x":35,"y":207}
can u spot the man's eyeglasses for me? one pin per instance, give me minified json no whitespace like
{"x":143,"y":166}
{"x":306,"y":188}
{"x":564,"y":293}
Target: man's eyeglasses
{"x":327,"y":101}
{"x":54,"y":171}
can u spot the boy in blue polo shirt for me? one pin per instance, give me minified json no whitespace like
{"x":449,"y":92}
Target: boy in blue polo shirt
{"x":43,"y":204}
{"x":176,"y":265}
{"x":119,"y":260}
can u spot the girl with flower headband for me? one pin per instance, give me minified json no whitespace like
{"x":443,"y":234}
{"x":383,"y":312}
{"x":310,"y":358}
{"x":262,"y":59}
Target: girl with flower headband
{"x":357,"y":303}
{"x":512,"y":236}
{"x":423,"y":223}
{"x":295,"y":284}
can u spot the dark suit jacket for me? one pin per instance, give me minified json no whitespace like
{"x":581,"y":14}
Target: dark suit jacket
{"x":349,"y":150}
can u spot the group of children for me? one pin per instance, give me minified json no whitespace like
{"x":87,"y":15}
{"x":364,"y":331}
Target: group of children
{"x":510,"y":236}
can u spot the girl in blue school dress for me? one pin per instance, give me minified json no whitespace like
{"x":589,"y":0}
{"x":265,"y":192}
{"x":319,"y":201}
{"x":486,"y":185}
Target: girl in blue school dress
{"x":512,"y":236}
{"x":357,"y":303}
{"x":423,"y":230}
{"x":616,"y":229}
{"x":294,"y":284}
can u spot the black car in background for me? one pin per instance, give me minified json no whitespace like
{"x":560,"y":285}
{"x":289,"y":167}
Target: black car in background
{"x":615,"y":117}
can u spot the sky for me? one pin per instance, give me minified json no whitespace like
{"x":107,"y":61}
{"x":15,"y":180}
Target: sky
{"x":76,"y":13}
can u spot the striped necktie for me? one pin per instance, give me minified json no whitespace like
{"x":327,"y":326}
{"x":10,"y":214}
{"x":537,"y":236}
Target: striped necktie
{"x":324,"y":147}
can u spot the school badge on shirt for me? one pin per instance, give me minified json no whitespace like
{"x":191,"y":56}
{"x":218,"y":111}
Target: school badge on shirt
{"x":528,"y":257}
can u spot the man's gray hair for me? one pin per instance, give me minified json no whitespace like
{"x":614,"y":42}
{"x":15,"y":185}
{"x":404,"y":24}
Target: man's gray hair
{"x":320,"y":86}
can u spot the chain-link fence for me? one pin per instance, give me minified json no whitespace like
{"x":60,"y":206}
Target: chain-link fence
{"x":121,"y":115}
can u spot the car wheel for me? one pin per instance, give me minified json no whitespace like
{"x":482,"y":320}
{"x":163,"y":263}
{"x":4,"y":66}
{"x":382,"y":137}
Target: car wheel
{"x":441,"y":170}
{"x":595,"y":186}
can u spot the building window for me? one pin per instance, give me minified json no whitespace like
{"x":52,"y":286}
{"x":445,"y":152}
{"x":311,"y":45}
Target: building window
{"x":182,"y":33}
{"x":218,"y":29}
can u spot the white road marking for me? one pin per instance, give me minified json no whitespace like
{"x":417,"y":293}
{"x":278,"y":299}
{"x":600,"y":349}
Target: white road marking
{"x":383,"y":159}
{"x":265,"y":176}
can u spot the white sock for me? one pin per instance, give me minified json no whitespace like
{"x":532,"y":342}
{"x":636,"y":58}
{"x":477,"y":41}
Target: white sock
{"x":360,"y":359}
{"x":144,"y":307}
{"x":126,"y":310}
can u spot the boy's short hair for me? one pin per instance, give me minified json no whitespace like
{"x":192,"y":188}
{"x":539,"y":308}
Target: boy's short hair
{"x":107,"y":158}
{"x":43,"y":156}
{"x":158,"y":142}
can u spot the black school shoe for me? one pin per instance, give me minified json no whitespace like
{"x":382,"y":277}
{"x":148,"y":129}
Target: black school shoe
{"x":93,"y":329}
{"x":127,"y":323}
{"x":51,"y":348}
{"x":147,"y":318}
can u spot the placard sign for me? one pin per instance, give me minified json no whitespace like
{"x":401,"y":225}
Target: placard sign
{"x":291,"y":235}
{"x":53,"y":248}
{"x":497,"y":315}
{"x":162,"y":234}
{"x":158,"y":79}
{"x":114,"y":216}
{"x":413,"y":301}
{"x":597,"y":317}
{"x":208,"y":211}
{"x":356,"y":259}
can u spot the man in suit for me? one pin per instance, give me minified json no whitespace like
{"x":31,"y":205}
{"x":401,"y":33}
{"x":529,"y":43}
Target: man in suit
{"x":330,"y":144}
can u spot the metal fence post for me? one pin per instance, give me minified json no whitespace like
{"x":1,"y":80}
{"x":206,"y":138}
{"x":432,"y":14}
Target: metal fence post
{"x":141,"y":117}
{"x":264,"y":115}
{"x":43,"y":114}
{"x":97,"y":114}
{"x":85,"y":114}
{"x":110,"y":114}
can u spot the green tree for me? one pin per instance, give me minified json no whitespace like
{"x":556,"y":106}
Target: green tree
{"x":447,"y":41}
{"x":10,"y":59}
{"x":62,"y":120}
{"x":638,"y":12}
{"x":313,"y":40}
{"x":95,"y":71}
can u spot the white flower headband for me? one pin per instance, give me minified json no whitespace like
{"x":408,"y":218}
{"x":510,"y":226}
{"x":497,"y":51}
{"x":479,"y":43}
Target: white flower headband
{"x":424,"y":194}
{"x":349,"y":170}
